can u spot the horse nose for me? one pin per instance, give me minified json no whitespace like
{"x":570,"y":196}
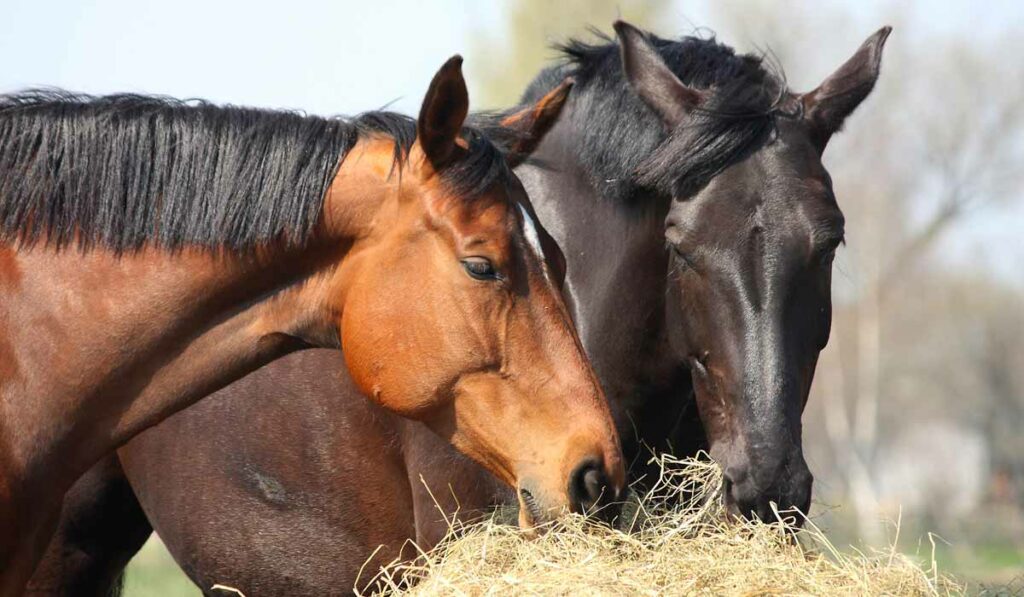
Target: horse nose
{"x":590,"y":487}
{"x":799,"y":497}
{"x":758,"y":496}
{"x":740,"y":492}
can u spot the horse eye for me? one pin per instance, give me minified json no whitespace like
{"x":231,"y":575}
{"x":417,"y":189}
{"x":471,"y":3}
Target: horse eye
{"x":827,"y":252}
{"x":826,"y":257}
{"x":480,"y":268}
{"x":833,"y":244}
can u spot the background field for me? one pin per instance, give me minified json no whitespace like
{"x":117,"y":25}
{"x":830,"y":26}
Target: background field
{"x":153,"y":573}
{"x":919,"y":398}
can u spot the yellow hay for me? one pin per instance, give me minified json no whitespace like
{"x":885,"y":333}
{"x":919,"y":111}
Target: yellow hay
{"x":674,"y":549}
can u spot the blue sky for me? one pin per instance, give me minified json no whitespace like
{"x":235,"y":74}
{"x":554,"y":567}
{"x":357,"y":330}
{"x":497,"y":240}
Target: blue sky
{"x":339,"y":57}
{"x":323,"y":56}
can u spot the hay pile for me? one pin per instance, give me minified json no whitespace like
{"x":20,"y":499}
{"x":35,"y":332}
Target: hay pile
{"x":674,"y":550}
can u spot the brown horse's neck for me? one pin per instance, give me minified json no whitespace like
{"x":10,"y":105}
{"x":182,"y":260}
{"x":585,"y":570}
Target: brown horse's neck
{"x":95,"y":346}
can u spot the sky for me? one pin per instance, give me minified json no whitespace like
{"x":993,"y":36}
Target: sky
{"x":323,"y":56}
{"x":340,"y":57}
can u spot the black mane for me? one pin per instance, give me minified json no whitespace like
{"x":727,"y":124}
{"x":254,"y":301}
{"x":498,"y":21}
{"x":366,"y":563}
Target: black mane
{"x":624,"y":146}
{"x":124,"y":171}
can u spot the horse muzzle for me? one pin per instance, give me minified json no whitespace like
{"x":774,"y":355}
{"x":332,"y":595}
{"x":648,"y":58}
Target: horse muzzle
{"x":769,"y":493}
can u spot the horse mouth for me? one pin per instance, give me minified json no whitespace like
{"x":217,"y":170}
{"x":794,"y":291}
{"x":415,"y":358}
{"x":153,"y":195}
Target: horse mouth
{"x":530,"y":512}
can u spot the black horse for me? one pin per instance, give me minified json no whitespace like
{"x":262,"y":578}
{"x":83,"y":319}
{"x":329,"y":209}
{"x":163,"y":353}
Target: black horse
{"x":707,"y":340}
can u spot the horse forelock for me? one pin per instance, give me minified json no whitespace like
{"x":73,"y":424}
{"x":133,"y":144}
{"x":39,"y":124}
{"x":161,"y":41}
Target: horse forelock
{"x":624,"y":147}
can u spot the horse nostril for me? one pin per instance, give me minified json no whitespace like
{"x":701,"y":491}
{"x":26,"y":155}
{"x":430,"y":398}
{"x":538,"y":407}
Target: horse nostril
{"x":589,"y":484}
{"x":735,"y":475}
{"x":594,"y":482}
{"x":740,"y":494}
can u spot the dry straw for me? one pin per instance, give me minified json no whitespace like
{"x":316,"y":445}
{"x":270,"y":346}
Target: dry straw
{"x":674,"y":549}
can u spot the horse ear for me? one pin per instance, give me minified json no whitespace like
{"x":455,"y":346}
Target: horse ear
{"x":652,"y":79}
{"x":827,"y":107}
{"x":443,"y":112}
{"x":533,"y":122}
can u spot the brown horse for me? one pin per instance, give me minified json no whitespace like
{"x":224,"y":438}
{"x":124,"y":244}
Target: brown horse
{"x":155,"y":251}
{"x":752,"y":224}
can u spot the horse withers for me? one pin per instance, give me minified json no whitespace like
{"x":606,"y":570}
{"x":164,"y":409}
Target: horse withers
{"x":153,"y":251}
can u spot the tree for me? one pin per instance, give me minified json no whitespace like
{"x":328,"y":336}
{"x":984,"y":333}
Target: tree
{"x":533,"y":27}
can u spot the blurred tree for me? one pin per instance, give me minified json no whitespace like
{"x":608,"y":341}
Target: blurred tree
{"x":517,"y":54}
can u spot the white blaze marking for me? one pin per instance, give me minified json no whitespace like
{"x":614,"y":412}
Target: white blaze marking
{"x":532,"y":238}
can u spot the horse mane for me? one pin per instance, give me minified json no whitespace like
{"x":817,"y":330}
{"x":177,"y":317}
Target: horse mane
{"x":126,"y":171}
{"x":624,"y":146}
